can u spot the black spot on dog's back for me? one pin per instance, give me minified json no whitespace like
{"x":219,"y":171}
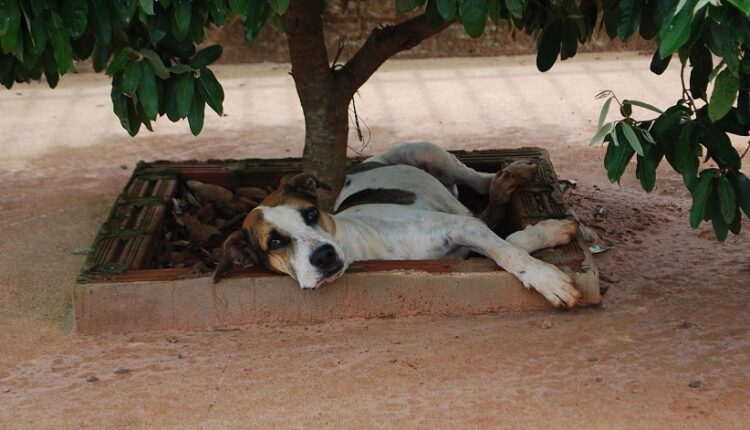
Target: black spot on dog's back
{"x":364,"y":167}
{"x":378,"y":195}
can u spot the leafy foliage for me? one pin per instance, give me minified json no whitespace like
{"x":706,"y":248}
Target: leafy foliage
{"x":713,"y":107}
{"x":149,"y":48}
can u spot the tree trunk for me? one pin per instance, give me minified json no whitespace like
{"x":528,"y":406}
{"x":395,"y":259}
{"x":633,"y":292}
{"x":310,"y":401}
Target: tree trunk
{"x":325,"y":92}
{"x":324,"y":105}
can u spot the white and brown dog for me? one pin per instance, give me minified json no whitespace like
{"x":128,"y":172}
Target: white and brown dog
{"x":399,"y":205}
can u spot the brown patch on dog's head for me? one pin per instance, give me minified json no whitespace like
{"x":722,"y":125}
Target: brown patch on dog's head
{"x":262,"y":241}
{"x":296,"y":190}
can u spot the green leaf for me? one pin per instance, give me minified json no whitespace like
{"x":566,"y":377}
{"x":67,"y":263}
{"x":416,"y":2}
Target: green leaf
{"x":642,"y":105}
{"x":156,"y":64}
{"x":549,"y":46}
{"x":686,"y":160}
{"x":743,"y":5}
{"x":719,"y":146}
{"x":658,"y":64}
{"x":432,"y":15}
{"x":147,"y":6}
{"x":447,"y":9}
{"x":721,"y":229}
{"x":60,"y":42}
{"x":702,"y":63}
{"x":10,"y":25}
{"x":101,"y":22}
{"x":51,"y":72}
{"x":617,"y":157}
{"x":120,"y":60}
{"x":185,"y":89}
{"x":38,"y":35}
{"x":602,"y":133}
{"x":725,"y":93}
{"x":401,"y":5}
{"x":630,"y":18}
{"x":493,"y":10}
{"x":723,"y":41}
{"x":219,"y":11}
{"x":569,"y":42}
{"x":742,"y":191}
{"x":181,"y":19}
{"x":700,"y":197}
{"x":206,"y":56}
{"x":124,"y":10}
{"x":632,"y":138}
{"x":170,"y":98}
{"x":75,"y":15}
{"x":240,"y":7}
{"x":157,"y":26}
{"x":256,"y":18}
{"x":473,"y":15}
{"x":211,"y":90}
{"x":147,"y":91}
{"x":131,"y":77}
{"x":727,"y":201}
{"x":196,"y":114}
{"x":604,"y":112}
{"x":646,"y":166}
{"x":736,"y":225}
{"x":676,"y":31}
{"x":515,"y":7}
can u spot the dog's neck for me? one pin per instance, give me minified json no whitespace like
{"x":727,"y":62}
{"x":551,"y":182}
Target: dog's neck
{"x":358,"y":238}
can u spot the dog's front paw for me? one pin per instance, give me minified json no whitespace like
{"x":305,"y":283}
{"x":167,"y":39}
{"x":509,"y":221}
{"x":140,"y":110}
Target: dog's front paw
{"x":552,"y":283}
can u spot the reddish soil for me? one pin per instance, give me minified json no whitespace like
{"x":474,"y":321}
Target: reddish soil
{"x":670,"y":346}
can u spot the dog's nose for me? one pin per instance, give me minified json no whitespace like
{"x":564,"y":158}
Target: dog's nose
{"x":324,"y":257}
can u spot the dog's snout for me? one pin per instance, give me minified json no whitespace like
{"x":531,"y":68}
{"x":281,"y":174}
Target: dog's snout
{"x":324,"y":257}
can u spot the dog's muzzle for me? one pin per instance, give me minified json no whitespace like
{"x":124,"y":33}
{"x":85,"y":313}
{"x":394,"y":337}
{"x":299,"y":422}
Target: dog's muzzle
{"x":326,"y":260}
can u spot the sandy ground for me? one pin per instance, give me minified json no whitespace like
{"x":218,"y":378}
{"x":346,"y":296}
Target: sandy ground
{"x":676,"y":311}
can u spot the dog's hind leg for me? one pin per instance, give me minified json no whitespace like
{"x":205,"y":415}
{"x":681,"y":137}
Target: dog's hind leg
{"x":544,"y":234}
{"x":548,"y":280}
{"x":438,"y":162}
{"x":504,"y":184}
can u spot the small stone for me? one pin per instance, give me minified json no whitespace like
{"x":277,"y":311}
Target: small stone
{"x":124,"y":166}
{"x":547,"y":324}
{"x":122,"y":371}
{"x":92,"y":379}
{"x":171,"y":339}
{"x":180,"y":356}
{"x":695,"y":384}
{"x":5,"y":390}
{"x":599,"y":379}
{"x":686,"y":324}
{"x":592,"y":359}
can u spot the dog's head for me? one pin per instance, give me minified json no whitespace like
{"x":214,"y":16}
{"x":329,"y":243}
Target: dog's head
{"x":287,"y":233}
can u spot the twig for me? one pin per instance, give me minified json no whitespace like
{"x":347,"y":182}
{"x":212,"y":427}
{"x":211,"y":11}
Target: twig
{"x":685,"y":93}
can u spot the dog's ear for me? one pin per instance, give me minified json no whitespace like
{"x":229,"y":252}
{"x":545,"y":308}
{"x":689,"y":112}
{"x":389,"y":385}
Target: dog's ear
{"x":235,"y":251}
{"x":303,"y":183}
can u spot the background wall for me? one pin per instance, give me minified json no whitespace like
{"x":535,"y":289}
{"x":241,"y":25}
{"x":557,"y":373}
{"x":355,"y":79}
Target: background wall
{"x":352,"y":22}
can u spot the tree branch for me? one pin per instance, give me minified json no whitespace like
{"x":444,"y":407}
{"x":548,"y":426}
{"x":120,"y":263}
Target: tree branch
{"x":307,"y":50}
{"x":385,"y":42}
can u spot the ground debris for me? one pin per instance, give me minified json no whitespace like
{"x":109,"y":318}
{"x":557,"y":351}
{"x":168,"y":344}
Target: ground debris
{"x":547,"y":324}
{"x":122,"y":371}
{"x":92,"y":379}
{"x":695,"y":384}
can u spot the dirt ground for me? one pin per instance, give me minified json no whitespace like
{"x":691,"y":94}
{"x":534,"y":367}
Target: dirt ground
{"x":669,"y":347}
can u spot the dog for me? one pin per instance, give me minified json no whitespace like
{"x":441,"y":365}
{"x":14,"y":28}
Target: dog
{"x":399,"y":205}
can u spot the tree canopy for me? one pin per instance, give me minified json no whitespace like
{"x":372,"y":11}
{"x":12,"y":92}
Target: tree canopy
{"x":150,"y":49}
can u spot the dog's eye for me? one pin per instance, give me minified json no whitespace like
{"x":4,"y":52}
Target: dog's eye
{"x":277,"y":241}
{"x":310,"y":215}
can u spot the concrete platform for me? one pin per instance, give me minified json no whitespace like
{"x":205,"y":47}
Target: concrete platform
{"x":449,"y":287}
